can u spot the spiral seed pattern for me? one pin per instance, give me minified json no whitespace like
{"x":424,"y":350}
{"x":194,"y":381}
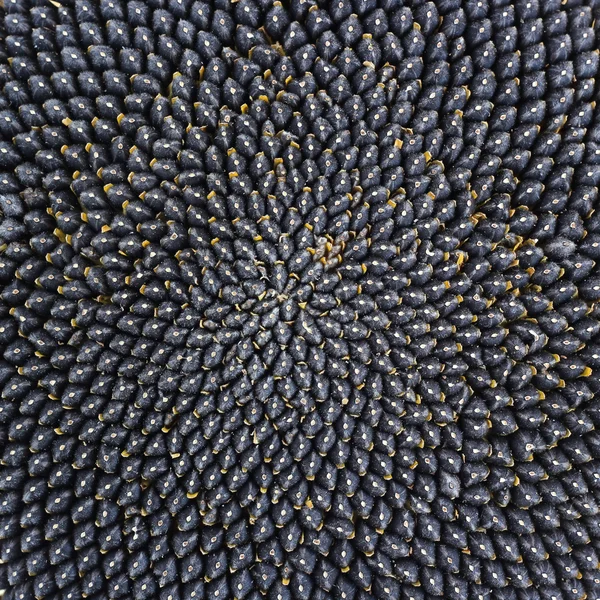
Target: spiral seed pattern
{"x":299,"y":299}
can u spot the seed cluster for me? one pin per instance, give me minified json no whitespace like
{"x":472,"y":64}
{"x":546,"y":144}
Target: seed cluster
{"x":299,"y":300}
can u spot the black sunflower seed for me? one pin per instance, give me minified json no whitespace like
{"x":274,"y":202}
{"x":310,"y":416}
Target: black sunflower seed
{"x":299,"y":300}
